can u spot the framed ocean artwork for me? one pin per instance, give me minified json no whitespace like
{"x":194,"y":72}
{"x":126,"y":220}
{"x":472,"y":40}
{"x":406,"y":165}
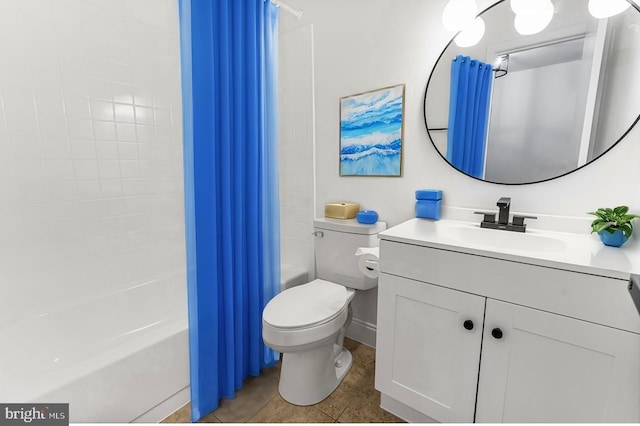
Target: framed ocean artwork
{"x":371,"y":132}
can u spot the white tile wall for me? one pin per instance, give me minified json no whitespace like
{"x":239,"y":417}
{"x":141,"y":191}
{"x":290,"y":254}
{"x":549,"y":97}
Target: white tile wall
{"x":90,"y":150}
{"x":296,"y":149}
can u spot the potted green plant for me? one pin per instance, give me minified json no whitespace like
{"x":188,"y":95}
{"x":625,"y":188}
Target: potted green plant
{"x":614,"y":226}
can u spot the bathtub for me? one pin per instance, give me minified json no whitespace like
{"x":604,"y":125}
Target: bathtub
{"x":117,"y":358}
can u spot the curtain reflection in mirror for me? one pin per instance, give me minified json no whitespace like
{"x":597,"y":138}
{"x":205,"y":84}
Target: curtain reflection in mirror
{"x":470,"y":96}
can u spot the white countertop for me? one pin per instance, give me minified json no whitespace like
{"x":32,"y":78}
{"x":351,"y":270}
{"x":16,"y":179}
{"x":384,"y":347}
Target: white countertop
{"x":574,"y":252}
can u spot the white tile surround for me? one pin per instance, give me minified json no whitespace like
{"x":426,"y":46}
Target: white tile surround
{"x":91,"y":187}
{"x":296,"y":146}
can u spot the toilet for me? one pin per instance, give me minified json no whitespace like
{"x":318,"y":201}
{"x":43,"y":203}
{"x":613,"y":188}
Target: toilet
{"x":307,"y":323}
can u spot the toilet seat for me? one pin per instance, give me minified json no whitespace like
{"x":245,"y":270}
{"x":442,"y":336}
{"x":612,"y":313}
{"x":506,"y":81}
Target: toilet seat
{"x":307,"y":305}
{"x":306,"y":314}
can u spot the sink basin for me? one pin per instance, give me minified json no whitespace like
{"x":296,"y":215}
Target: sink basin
{"x":527,"y":241}
{"x":574,"y":251}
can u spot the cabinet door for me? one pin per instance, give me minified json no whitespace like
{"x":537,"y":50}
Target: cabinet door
{"x":425,"y":357}
{"x":550,"y":368}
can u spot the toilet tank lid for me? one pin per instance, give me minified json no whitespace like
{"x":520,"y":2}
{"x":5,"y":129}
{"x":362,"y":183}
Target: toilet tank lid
{"x":349,"y":225}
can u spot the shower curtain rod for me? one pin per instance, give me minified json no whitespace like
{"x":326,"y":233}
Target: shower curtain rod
{"x":297,"y":13}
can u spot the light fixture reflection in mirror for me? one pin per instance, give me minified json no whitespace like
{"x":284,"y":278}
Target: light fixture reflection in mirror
{"x":606,"y":8}
{"x":471,"y":35}
{"x":459,"y":14}
{"x":523,"y":6}
{"x":532,"y":21}
{"x":532,"y":16}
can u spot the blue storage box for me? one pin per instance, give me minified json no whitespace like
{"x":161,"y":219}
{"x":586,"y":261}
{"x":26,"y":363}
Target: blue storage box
{"x":367,"y":217}
{"x":428,"y":203}
{"x":429,"y":194}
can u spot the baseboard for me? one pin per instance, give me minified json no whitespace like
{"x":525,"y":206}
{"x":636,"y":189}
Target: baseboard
{"x":363,"y":332}
{"x":166,"y":407}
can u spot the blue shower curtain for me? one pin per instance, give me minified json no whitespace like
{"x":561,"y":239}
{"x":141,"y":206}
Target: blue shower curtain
{"x":229,"y":82}
{"x":469,"y":105}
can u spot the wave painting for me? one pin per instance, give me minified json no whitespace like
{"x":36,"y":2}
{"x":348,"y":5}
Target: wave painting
{"x":371,"y":133}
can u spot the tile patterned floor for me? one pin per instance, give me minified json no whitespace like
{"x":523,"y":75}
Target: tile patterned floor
{"x":355,"y":400}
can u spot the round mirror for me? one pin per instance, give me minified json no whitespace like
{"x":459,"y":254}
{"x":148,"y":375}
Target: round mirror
{"x":517,"y":109}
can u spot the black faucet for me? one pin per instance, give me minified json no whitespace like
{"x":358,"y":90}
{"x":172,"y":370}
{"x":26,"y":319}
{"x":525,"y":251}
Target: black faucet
{"x":489,"y":220}
{"x":503,"y":215}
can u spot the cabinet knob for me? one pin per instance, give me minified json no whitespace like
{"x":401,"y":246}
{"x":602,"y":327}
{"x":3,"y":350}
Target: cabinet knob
{"x":496,"y":333}
{"x":468,"y":324}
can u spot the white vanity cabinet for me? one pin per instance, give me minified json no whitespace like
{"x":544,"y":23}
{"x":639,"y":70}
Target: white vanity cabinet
{"x":465,"y":337}
{"x":548,"y":368}
{"x":425,"y":357}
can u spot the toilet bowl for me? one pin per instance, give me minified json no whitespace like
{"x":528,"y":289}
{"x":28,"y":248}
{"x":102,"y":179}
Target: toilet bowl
{"x":307,"y":323}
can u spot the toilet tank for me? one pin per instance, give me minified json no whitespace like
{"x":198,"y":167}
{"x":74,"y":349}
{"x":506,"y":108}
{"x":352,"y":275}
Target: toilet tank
{"x":336,"y":242}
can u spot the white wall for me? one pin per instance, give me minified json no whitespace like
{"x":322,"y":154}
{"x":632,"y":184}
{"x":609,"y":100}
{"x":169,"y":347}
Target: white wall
{"x":91,"y":188}
{"x":361,"y":45}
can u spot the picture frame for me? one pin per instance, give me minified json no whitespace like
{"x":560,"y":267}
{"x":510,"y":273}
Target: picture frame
{"x":372,"y":132}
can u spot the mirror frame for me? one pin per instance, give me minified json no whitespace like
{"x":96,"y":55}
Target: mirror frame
{"x":426,"y":123}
